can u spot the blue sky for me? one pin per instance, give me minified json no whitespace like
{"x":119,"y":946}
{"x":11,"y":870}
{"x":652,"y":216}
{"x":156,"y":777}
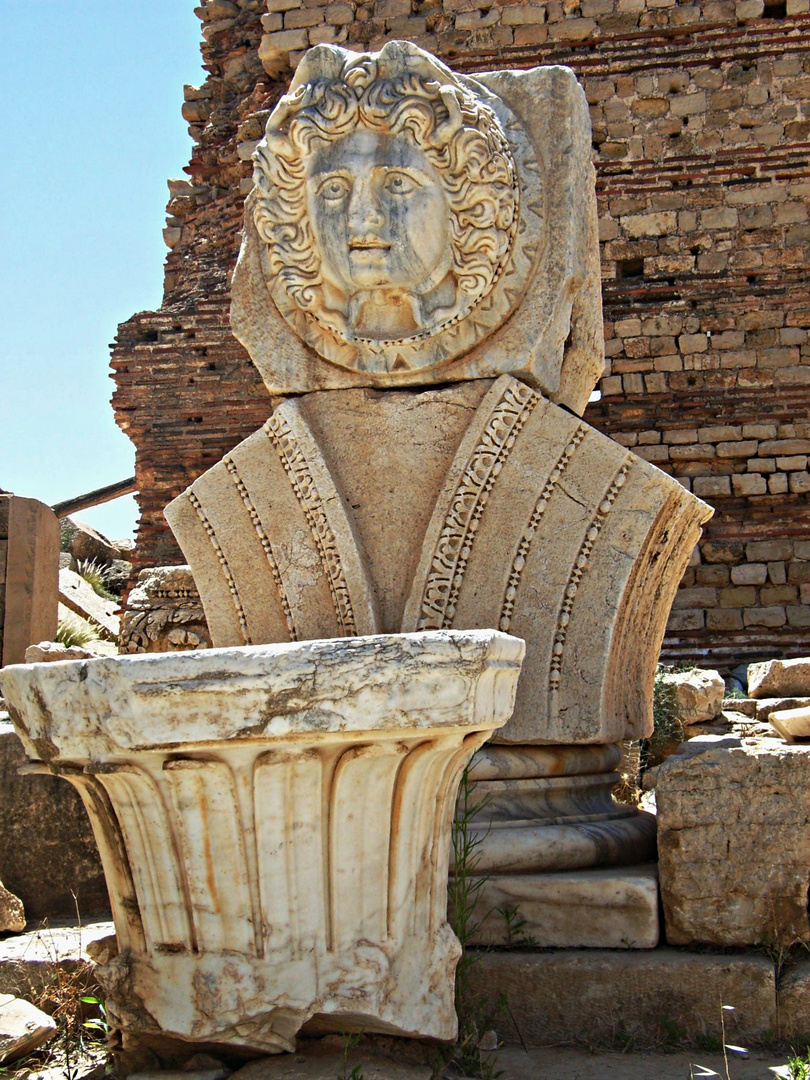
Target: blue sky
{"x":92,"y":129}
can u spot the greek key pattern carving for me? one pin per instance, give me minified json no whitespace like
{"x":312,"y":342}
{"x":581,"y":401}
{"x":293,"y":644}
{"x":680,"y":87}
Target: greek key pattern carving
{"x":303,"y":483}
{"x":455,"y":542}
{"x":519,"y":561}
{"x":264,"y":539}
{"x":578,"y":569}
{"x":223,"y":562}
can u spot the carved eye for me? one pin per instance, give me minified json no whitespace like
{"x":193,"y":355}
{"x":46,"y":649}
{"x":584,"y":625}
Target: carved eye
{"x":400,"y":183}
{"x":334,"y":189}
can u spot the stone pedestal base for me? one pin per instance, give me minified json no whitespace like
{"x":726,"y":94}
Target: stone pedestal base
{"x":591,"y":909}
{"x":543,"y":818}
{"x":548,"y":808}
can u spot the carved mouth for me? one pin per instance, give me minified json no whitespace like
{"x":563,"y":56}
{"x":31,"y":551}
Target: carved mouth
{"x":369,"y":243}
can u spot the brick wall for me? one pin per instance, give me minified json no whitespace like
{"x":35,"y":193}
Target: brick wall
{"x":701,"y":120}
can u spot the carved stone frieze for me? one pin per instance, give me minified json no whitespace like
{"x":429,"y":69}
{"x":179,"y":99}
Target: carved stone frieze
{"x":475,"y":505}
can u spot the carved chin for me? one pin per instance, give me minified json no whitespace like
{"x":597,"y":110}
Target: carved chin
{"x":389,"y":313}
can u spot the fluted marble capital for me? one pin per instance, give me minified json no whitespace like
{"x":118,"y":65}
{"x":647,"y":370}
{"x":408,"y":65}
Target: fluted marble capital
{"x":274,"y":823}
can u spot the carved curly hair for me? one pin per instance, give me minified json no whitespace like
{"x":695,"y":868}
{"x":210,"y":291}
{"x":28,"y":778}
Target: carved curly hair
{"x":400,"y":90}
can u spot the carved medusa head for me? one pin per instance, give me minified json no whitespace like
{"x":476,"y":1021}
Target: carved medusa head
{"x":387,"y":197}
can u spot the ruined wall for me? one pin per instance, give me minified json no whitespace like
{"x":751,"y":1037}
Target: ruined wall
{"x":701,"y":117}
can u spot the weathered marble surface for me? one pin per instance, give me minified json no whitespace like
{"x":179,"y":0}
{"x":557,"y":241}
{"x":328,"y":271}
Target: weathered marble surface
{"x":482,"y":504}
{"x":402,"y":213}
{"x":274,"y":823}
{"x":532,"y":810}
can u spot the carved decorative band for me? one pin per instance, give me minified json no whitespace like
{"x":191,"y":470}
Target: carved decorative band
{"x":581,"y":561}
{"x":264,"y":539}
{"x":303,"y":483}
{"x":458,"y":534}
{"x":223,"y":562}
{"x":519,"y":561}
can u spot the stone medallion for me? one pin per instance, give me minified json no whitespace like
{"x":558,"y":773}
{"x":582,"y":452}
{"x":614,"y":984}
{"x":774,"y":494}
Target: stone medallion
{"x":402,"y":214}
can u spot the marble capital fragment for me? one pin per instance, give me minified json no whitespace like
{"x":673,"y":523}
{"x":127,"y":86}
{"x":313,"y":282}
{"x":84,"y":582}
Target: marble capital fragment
{"x":274,"y":823}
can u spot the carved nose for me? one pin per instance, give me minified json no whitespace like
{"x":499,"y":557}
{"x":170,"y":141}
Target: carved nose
{"x":365,"y":211}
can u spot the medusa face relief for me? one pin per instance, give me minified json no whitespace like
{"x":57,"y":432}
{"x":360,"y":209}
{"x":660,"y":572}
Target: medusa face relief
{"x":387,"y":204}
{"x":380,"y":221}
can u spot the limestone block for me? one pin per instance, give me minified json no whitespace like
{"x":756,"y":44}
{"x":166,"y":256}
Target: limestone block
{"x":646,"y":997}
{"x":437,"y":294}
{"x":592,"y":909}
{"x":46,"y":652}
{"x":31,"y":566}
{"x":48,"y":857}
{"x":75,"y":593}
{"x":12,"y":913}
{"x":779,"y":678}
{"x":87,"y":543}
{"x":733,"y":845}
{"x":23,"y":1028}
{"x":697,"y":694}
{"x":763,"y":707}
{"x":794,"y":1000}
{"x":791,"y":724}
{"x":475,"y":505}
{"x":274,"y":823}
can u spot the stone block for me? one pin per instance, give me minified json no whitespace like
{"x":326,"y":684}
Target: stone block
{"x":77,"y":595}
{"x":47,"y":848}
{"x":746,"y":484}
{"x":766,"y":616}
{"x":749,"y":573}
{"x":724,"y":808}
{"x":12,"y":912}
{"x":523,"y":14}
{"x":558,"y":995}
{"x":779,"y":678}
{"x":614,"y":908}
{"x":29,"y":961}
{"x":31,"y":567}
{"x":697,"y":695}
{"x":659,"y":224}
{"x":709,"y":487}
{"x":791,"y":724}
{"x":23,"y":1028}
{"x":768,"y":550}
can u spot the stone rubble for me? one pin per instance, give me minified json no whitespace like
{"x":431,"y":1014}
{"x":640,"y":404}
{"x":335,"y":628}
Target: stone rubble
{"x":697,"y":695}
{"x":12,"y":912}
{"x":779,"y":678}
{"x":23,"y":1028}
